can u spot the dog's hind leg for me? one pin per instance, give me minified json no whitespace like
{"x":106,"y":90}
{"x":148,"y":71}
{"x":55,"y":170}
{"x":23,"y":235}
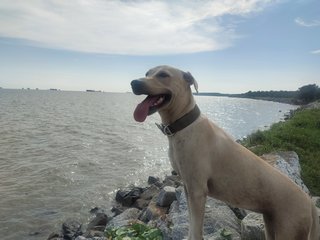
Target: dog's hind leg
{"x":269,"y":228}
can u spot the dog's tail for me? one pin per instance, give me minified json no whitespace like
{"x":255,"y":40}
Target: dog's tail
{"x":315,"y":228}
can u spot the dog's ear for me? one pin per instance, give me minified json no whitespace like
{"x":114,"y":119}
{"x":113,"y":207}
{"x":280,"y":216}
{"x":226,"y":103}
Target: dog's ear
{"x":190,"y":79}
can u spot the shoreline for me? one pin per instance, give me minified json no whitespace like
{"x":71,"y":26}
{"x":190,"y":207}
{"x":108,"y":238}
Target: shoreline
{"x":141,"y":206}
{"x":161,"y":209}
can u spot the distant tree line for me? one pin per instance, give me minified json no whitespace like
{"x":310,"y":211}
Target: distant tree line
{"x":303,"y":95}
{"x":308,"y":93}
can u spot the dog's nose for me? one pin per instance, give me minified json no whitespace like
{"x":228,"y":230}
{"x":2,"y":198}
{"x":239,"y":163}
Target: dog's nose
{"x":138,"y":87}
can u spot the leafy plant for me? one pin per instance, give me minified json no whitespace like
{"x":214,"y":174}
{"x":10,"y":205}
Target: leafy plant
{"x":134,"y":231}
{"x":225,"y":234}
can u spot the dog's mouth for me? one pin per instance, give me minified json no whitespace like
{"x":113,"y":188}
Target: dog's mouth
{"x":150,"y":105}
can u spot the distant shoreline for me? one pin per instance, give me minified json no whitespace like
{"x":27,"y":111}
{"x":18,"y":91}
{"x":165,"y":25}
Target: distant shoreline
{"x":287,"y":100}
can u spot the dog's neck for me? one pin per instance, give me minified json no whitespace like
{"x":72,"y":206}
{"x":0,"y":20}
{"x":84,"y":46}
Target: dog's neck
{"x":176,"y":122}
{"x":172,"y":114}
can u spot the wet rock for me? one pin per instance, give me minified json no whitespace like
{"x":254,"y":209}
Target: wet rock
{"x":116,"y":211}
{"x":71,"y":229}
{"x":128,"y":197}
{"x":153,"y":180}
{"x":55,"y":236}
{"x":166,"y":196}
{"x":98,"y":223}
{"x":96,"y":210}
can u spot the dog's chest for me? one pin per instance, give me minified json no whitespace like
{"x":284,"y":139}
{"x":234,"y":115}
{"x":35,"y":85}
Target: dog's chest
{"x":178,"y":153}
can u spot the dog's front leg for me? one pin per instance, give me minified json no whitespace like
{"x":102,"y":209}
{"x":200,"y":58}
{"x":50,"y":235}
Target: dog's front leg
{"x":196,"y":206}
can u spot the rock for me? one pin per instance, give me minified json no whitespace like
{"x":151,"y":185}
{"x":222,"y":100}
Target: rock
{"x":141,"y":203}
{"x":287,"y":163}
{"x":98,"y":223}
{"x":96,"y":210}
{"x":55,"y":236}
{"x":131,"y":214}
{"x":150,"y":192}
{"x":172,"y":181}
{"x":128,"y":197}
{"x":153,"y":180}
{"x":166,"y":196}
{"x":71,"y":229}
{"x":239,"y":212}
{"x":153,"y":212}
{"x":252,"y":227}
{"x":116,"y":211}
{"x":145,"y":197}
{"x":316,"y":201}
{"x":217,"y":216}
{"x":292,"y":158}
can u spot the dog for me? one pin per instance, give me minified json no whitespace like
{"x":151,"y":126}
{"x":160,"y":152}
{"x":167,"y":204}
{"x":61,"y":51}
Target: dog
{"x":211,"y":163}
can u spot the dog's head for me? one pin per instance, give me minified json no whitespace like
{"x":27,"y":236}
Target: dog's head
{"x":166,"y":88}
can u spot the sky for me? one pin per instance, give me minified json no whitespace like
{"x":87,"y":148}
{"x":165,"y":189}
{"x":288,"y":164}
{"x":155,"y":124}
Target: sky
{"x":229,"y":46}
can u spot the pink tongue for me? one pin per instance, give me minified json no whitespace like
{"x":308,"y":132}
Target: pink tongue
{"x":142,"y":110}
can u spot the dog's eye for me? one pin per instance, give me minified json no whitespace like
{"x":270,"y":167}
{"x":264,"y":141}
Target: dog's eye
{"x":163,"y":75}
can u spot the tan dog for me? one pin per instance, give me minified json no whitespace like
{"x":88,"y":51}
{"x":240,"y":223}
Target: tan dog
{"x":210,"y":163}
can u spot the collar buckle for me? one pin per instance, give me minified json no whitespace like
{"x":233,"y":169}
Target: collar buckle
{"x":165,"y":129}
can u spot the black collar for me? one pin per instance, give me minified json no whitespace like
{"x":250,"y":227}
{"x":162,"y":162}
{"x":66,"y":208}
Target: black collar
{"x":181,"y":123}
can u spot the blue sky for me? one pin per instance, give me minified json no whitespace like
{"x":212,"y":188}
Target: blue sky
{"x":230,"y":46}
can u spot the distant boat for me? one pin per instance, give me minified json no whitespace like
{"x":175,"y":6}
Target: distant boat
{"x":53,"y":89}
{"x":90,"y":90}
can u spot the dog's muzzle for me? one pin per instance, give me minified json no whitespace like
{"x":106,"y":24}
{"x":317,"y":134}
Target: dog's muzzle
{"x":138,"y":87}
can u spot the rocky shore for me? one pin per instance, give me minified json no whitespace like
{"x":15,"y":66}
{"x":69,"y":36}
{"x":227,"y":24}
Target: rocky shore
{"x":162,"y":204}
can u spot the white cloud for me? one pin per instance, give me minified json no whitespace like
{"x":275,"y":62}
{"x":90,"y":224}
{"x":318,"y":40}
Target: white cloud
{"x":138,"y":27}
{"x":316,"y":51}
{"x":303,"y":23}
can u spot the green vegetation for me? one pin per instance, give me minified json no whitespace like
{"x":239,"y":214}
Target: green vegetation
{"x":135,"y":231}
{"x":303,"y":95}
{"x":301,"y":133}
{"x":225,"y":234}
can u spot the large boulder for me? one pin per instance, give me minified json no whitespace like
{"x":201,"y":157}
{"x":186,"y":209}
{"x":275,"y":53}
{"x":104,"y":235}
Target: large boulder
{"x":218,"y":217}
{"x":287,"y":163}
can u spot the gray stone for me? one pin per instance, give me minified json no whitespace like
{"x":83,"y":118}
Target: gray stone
{"x":217,"y":216}
{"x":153,"y":212}
{"x":71,"y":229}
{"x":55,"y":236}
{"x":131,"y":214}
{"x":252,"y":227}
{"x":166,"y":196}
{"x":128,"y":197}
{"x":98,"y":223}
{"x":172,"y":181}
{"x":316,"y":201}
{"x":287,"y":163}
{"x":153,"y":180}
{"x":150,"y":192}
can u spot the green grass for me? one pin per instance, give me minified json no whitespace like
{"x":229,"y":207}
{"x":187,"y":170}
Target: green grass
{"x":301,"y":134}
